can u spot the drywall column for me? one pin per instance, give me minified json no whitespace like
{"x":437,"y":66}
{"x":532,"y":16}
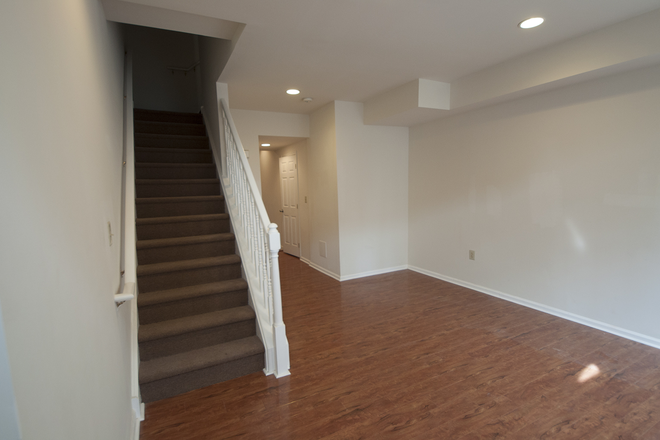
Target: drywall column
{"x":323,"y":198}
{"x":372,"y":178}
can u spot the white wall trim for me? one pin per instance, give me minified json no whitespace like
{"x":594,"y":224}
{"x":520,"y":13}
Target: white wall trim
{"x":353,"y":276}
{"x":321,"y":269}
{"x":372,"y":273}
{"x":628,"y":334}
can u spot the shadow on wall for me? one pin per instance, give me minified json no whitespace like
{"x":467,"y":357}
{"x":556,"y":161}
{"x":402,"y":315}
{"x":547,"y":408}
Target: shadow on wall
{"x":156,"y":85}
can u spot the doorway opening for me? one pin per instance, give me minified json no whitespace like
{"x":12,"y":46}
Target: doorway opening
{"x":283,"y":166}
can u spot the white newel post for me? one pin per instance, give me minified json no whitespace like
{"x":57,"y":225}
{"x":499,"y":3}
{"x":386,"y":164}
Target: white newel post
{"x":281,"y":343}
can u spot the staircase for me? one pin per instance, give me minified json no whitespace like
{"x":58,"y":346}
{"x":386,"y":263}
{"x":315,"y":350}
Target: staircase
{"x":196,"y":327}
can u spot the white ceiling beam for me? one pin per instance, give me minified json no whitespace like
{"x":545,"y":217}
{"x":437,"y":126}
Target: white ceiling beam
{"x":416,"y":101}
{"x":627,"y":45}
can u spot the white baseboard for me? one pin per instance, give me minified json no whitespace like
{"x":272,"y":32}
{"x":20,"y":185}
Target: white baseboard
{"x":628,"y":334}
{"x":320,"y":269}
{"x":353,"y":276}
{"x":372,"y":273}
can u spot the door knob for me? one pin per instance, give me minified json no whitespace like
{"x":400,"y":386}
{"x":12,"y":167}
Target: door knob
{"x":281,"y":210}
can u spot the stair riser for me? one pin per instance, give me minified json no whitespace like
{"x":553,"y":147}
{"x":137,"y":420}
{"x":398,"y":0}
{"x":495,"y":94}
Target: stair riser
{"x":177,"y":190}
{"x":185,"y":252}
{"x":183,"y":118}
{"x":192,"y":156}
{"x":173,"y":280}
{"x":156,"y":141}
{"x":150,"y":210}
{"x":197,"y":339}
{"x":145,"y":127}
{"x":145,"y":172}
{"x":172,"y":386}
{"x":192,"y":306}
{"x":171,"y":230}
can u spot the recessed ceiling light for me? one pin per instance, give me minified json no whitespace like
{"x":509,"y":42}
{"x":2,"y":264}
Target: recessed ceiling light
{"x":293,"y":91}
{"x":265,"y":145}
{"x":530,"y":23}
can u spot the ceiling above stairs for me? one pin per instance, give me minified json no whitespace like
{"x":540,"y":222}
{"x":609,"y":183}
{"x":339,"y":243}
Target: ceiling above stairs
{"x":366,"y":50}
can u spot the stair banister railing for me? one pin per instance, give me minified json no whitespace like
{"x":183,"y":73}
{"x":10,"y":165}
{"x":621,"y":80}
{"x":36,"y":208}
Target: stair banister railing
{"x":258,"y":243}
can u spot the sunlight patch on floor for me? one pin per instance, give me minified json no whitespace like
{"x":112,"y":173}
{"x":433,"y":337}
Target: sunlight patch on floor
{"x":588,"y":372}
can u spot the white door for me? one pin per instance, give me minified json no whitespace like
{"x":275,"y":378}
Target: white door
{"x":290,"y":229}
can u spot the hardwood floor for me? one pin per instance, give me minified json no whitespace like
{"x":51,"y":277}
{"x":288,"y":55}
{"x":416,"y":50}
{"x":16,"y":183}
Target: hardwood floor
{"x":405,"y":356}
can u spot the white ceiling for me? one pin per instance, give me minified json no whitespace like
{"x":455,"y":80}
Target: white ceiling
{"x":352,"y":50}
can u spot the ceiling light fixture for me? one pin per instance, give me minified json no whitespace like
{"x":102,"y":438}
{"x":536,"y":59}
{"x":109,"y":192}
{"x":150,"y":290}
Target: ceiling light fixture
{"x":293,"y":91}
{"x":530,"y":23}
{"x":265,"y":145}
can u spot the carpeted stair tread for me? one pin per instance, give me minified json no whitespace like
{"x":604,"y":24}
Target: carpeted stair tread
{"x":180,"y":219}
{"x":181,"y":363}
{"x":167,"y":116}
{"x":174,"y":181}
{"x":178,"y":241}
{"x":170,"y":136}
{"x":178,"y":199}
{"x":171,"y":141}
{"x":173,"y":327}
{"x":189,"y":292}
{"x":174,"y":165}
{"x":174,"y":170}
{"x":148,"y":127}
{"x":177,"y":266}
{"x":171,"y":150}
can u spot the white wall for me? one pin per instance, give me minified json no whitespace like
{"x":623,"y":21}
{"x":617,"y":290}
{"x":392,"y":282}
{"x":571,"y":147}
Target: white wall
{"x":9,"y":425}
{"x":372,"y":179}
{"x":155,"y":87}
{"x":323,"y":198}
{"x":252,"y":124}
{"x":214,"y":54}
{"x":558,"y":194}
{"x":270,"y":184}
{"x":60,"y":171}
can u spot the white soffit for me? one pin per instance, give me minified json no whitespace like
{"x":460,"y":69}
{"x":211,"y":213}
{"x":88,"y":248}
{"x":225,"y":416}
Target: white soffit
{"x":150,"y":16}
{"x":415,"y":102}
{"x":627,"y":45}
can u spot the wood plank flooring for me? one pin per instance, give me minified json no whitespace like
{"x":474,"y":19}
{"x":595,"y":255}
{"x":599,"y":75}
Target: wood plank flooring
{"x":406,"y":356}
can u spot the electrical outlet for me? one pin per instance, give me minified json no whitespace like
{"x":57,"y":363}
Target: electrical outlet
{"x":305,"y":199}
{"x":323,"y":249}
{"x":471,"y":255}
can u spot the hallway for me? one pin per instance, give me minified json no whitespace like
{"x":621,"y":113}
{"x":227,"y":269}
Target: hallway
{"x":403,"y":355}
